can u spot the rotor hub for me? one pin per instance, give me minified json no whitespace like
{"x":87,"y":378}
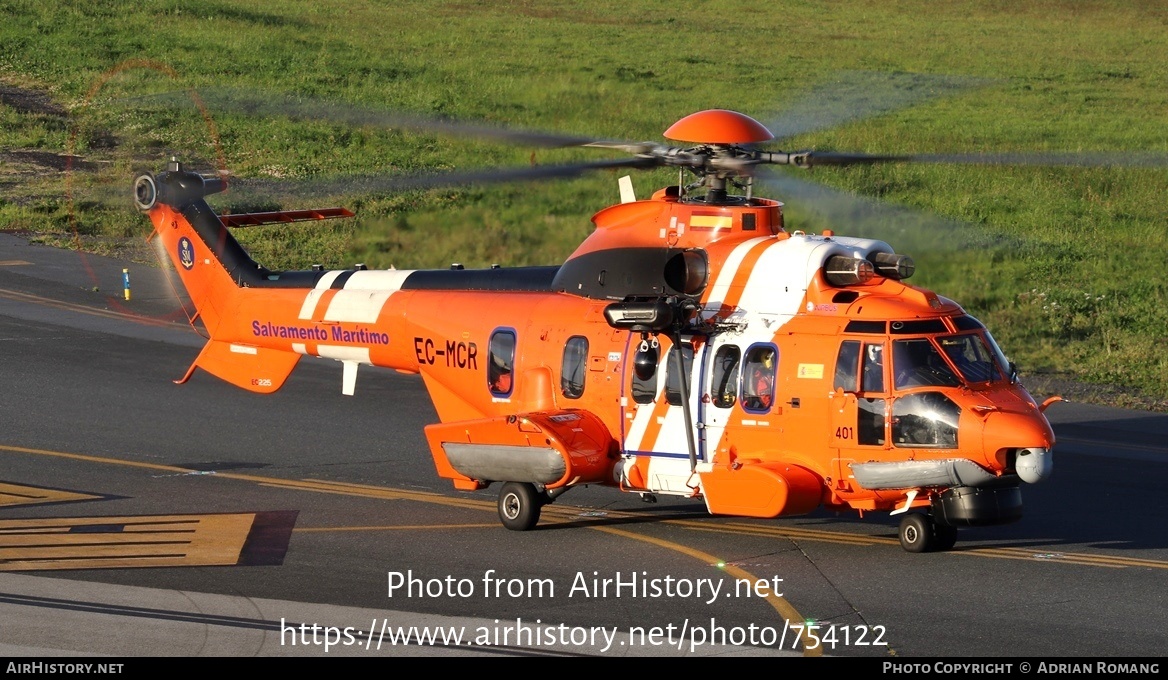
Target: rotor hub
{"x":718,"y":126}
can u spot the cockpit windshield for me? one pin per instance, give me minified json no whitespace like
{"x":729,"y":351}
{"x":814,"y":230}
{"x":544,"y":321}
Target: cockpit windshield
{"x":936,"y":357}
{"x":917,"y":363}
{"x":972,"y":357}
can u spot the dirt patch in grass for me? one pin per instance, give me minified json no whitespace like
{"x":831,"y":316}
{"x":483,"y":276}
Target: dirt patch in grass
{"x":134,"y":249}
{"x":31,"y":160}
{"x":30,"y":101}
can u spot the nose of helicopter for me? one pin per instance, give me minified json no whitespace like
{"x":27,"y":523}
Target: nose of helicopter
{"x":1029,"y":436}
{"x":1034,"y":464}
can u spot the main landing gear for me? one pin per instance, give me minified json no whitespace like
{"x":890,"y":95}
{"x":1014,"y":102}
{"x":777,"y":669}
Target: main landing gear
{"x":921,"y":533}
{"x":521,"y":502}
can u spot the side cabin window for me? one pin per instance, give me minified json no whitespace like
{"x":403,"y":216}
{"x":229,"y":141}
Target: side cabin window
{"x":724,"y":383}
{"x":572,"y":369}
{"x":758,"y":378}
{"x":502,"y":364}
{"x":672,"y":379}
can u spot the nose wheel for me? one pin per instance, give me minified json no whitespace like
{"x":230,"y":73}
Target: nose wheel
{"x":919,"y":533}
{"x":519,"y":505}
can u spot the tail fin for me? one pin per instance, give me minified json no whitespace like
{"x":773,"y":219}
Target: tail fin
{"x":213,"y":266}
{"x":192,"y":236}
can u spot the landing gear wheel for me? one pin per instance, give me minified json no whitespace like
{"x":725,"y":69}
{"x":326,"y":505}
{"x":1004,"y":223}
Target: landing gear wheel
{"x":519,"y":505}
{"x":916,"y":533}
{"x":944,"y":537}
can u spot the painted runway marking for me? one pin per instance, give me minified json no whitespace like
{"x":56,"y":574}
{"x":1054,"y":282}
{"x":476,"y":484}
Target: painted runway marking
{"x":19,"y":494}
{"x":564,"y":514}
{"x":400,"y":527}
{"x":145,"y":541}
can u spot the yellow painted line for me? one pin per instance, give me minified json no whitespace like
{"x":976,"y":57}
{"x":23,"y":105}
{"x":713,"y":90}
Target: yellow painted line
{"x":1004,"y":553}
{"x":92,"y":311}
{"x":1069,"y":558}
{"x":13,"y":263}
{"x":780,"y":605}
{"x":565,"y":514}
{"x":402,"y":527}
{"x":96,"y":459}
{"x":18,"y":494}
{"x":784,"y":532}
{"x":1010,"y":554}
{"x":128,"y":541}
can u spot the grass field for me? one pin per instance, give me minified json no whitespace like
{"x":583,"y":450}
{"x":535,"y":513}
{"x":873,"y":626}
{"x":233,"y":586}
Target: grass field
{"x":1074,"y":287}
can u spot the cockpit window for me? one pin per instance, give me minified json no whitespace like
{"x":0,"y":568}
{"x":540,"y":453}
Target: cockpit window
{"x":967,"y":323}
{"x":917,"y":363}
{"x":971,"y":356}
{"x":866,"y":327}
{"x":1003,"y":362}
{"x":917,"y":327}
{"x":846,"y":363}
{"x":872,"y":375}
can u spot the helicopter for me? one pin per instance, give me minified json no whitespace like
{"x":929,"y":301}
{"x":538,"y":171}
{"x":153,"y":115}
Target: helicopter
{"x":692,"y":346}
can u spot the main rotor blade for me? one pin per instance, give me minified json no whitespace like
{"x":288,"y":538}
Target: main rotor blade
{"x":854,"y":95}
{"x":386,"y":183}
{"x":814,"y":206}
{"x":1086,"y":159}
{"x":259,"y":103}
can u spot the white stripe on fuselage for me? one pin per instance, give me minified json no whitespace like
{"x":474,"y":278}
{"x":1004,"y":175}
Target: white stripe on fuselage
{"x":323,"y":284}
{"x":362,"y":298}
{"x":729,"y":270}
{"x":643,"y":415}
{"x":358,"y":306}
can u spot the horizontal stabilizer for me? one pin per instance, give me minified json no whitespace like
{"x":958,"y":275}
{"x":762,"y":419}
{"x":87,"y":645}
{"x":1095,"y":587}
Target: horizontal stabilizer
{"x":253,"y":368}
{"x":282,"y":217}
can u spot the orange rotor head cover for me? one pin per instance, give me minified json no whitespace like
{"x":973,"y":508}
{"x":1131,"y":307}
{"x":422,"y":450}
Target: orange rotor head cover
{"x":718,"y":126}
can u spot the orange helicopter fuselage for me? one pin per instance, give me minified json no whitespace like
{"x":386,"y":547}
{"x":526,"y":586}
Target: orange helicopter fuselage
{"x":790,"y":402}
